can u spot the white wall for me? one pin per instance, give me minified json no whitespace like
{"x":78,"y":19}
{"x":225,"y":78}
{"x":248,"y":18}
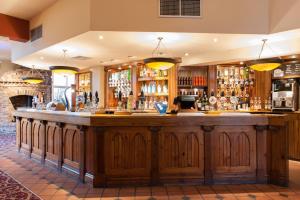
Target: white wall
{"x":218,"y":16}
{"x":98,"y":82}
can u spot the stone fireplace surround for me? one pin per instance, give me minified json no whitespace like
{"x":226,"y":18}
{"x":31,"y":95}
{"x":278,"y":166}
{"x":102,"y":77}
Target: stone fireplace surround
{"x":11,"y":85}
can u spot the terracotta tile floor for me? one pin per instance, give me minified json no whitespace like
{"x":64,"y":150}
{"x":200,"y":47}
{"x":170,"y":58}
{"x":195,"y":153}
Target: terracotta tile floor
{"x":49,"y":184}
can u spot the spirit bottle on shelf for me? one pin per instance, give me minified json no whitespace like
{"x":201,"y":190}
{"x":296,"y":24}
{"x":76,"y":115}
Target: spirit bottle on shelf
{"x":212,"y":100}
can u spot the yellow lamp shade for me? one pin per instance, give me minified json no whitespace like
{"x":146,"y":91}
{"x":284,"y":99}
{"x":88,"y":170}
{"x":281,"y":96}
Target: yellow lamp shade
{"x":265,"y":64}
{"x":64,"y":69}
{"x":33,"y":80}
{"x":160,"y":63}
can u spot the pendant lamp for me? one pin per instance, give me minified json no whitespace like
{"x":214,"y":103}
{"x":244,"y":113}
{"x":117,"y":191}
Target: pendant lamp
{"x":158,"y":62}
{"x":33,"y":77}
{"x":266,"y":64}
{"x":64,"y":69}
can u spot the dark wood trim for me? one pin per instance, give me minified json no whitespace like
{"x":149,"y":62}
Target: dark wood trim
{"x":208,"y":175}
{"x":99,"y":157}
{"x":18,"y":133}
{"x":154,"y":155}
{"x":60,"y":146}
{"x":82,"y":162}
{"x":30,"y":131}
{"x":43,"y":139}
{"x":263,"y":154}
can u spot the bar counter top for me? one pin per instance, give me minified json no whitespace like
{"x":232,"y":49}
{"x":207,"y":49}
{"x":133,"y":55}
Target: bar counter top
{"x":154,"y":149}
{"x":88,"y":119}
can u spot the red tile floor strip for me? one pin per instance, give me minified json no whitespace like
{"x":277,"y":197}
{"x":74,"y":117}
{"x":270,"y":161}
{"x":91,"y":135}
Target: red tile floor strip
{"x":50,"y":184}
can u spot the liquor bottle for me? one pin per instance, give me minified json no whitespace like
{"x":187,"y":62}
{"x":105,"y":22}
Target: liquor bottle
{"x":120,"y":103}
{"x":130,"y":101}
{"x":199,"y":103}
{"x":165,"y":88}
{"x":212,"y":100}
{"x":159,"y":88}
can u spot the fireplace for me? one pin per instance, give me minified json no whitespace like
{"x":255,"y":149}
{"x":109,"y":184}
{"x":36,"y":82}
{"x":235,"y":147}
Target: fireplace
{"x":21,"y":101}
{"x":14,"y":92}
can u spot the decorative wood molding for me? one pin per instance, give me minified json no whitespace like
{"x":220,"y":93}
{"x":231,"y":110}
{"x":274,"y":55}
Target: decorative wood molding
{"x":260,"y":127}
{"x":207,"y":128}
{"x":154,"y":154}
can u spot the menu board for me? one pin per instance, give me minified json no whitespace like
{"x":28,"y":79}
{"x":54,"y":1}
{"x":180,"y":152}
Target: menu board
{"x":287,"y":71}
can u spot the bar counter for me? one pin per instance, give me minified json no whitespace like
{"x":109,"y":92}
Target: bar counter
{"x":153,"y":149}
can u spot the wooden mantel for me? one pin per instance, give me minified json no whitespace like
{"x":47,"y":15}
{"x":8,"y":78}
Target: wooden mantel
{"x":156,"y":150}
{"x":14,"y":28}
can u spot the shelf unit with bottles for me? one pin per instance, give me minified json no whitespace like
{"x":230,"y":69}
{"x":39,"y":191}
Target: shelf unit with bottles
{"x":118,"y":78}
{"x":83,"y":82}
{"x":192,"y":80}
{"x":157,"y":85}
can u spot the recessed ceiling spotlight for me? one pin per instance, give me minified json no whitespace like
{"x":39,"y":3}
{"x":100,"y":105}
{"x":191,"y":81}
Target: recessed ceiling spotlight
{"x":42,"y":58}
{"x":216,"y":40}
{"x":241,"y":63}
{"x":100,"y":37}
{"x":129,"y":66}
{"x":119,"y":68}
{"x":293,"y":56}
{"x":186,"y":54}
{"x":132,"y":57}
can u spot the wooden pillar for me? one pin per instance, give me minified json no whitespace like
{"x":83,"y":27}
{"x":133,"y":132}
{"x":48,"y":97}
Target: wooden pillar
{"x":43,"y":141}
{"x":155,"y":155}
{"x":18,"y":133}
{"x":82,"y":162}
{"x":30,"y":133}
{"x":99,"y":157}
{"x":262,"y":154}
{"x":279,"y":169}
{"x":208,"y":174}
{"x":60,"y":146}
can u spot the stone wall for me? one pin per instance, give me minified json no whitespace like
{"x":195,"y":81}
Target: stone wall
{"x":11,"y":84}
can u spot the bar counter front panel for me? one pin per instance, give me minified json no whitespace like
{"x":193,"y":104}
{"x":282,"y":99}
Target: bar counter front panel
{"x":155,"y":150}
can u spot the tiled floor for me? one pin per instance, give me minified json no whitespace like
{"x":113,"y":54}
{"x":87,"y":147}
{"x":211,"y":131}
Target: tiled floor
{"x":49,"y":184}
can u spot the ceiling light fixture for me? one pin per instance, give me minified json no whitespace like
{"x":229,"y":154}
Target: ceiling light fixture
{"x":100,"y":37}
{"x":64,"y":69}
{"x":33,"y":77}
{"x":266,"y":64}
{"x":157,"y":62}
{"x":186,"y":54}
{"x":215,"y":39}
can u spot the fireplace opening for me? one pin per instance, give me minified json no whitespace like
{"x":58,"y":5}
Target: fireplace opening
{"x":21,"y":101}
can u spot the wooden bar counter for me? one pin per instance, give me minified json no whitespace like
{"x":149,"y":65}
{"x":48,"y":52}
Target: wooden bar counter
{"x":149,"y":149}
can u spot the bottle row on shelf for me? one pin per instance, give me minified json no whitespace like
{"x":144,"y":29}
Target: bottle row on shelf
{"x":194,"y":81}
{"x":155,"y":88}
{"x":231,"y":103}
{"x":147,"y":72}
{"x":120,"y":78}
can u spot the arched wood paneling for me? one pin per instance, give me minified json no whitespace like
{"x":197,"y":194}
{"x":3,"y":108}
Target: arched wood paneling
{"x":52,"y":142}
{"x":242,"y":157}
{"x":25,"y":134}
{"x":37,"y":137}
{"x":224,"y":150}
{"x":170,"y":154}
{"x":139,"y":150}
{"x":128,"y":151}
{"x":181,"y":153}
{"x":71,"y":147}
{"x":191,"y":151}
{"x":234,"y":152}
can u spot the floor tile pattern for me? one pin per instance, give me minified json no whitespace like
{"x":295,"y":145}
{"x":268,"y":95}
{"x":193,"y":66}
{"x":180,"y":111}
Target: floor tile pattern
{"x":49,"y":184}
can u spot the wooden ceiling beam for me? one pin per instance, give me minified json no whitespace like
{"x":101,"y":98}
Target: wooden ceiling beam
{"x":14,"y":28}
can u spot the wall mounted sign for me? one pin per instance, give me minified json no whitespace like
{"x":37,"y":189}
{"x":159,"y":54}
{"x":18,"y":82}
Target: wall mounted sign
{"x":287,"y":71}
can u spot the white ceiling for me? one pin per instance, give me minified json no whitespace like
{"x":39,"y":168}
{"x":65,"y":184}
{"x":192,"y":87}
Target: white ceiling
{"x":115,"y":47}
{"x":24,"y":9}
